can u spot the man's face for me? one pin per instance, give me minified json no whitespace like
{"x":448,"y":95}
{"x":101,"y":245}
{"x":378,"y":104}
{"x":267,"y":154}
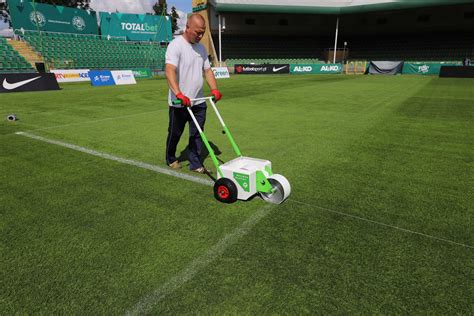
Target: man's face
{"x":195,"y":31}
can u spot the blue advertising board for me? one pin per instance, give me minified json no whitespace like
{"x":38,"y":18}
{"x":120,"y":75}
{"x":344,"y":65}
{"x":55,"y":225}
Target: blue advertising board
{"x":101,"y":78}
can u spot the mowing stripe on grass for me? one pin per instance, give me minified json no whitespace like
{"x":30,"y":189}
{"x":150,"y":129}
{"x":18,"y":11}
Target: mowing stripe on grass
{"x":382,"y":224}
{"x":95,"y":121}
{"x":210,"y":183}
{"x":33,"y":129}
{"x":147,"y":303}
{"x":135,"y":163}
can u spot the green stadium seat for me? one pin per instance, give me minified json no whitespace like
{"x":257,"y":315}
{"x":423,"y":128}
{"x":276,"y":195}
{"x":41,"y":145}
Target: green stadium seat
{"x":69,"y":50}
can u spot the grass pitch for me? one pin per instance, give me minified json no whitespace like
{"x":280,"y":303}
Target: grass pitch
{"x":379,"y":220}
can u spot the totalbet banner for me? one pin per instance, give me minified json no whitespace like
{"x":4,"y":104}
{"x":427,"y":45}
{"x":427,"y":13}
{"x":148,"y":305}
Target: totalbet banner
{"x":136,"y":27}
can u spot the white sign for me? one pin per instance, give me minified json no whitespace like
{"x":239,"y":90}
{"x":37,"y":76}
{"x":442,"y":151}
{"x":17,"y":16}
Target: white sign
{"x":221,"y":72}
{"x":71,"y":75}
{"x":424,"y":69}
{"x":123,"y":77}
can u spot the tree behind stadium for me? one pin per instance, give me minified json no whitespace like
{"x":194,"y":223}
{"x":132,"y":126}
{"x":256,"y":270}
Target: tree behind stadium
{"x":161,"y":8}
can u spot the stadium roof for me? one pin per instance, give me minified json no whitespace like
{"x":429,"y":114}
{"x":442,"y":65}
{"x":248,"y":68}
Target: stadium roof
{"x":325,"y":6}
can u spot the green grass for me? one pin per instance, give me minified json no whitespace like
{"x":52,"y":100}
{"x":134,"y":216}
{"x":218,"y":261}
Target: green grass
{"x":379,"y":220}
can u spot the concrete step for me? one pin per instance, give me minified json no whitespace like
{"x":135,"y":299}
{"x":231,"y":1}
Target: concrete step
{"x":26,"y":51}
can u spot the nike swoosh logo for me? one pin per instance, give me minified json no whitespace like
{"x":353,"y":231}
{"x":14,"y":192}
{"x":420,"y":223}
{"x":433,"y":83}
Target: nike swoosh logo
{"x":276,"y":69}
{"x":11,"y":86}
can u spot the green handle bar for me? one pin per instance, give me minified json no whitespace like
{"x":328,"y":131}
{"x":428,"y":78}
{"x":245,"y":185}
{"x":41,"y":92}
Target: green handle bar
{"x":179,"y":102}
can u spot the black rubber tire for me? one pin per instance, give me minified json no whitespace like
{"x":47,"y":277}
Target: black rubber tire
{"x":225,"y":191}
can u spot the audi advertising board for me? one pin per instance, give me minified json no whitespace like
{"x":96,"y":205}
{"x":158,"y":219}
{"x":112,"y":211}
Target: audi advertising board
{"x":262,"y":69}
{"x":28,"y":82}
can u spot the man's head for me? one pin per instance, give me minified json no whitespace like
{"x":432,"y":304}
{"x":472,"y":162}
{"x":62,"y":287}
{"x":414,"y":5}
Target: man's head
{"x":195,"y":28}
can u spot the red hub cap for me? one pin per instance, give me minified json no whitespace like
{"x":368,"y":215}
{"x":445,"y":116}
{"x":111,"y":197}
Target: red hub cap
{"x":223,"y":192}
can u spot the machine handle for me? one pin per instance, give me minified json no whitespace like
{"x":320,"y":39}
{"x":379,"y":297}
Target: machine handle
{"x":226,"y":130}
{"x":178,"y":102}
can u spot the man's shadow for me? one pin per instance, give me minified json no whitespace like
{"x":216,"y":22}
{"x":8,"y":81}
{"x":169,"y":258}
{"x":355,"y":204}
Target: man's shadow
{"x":204,"y":153}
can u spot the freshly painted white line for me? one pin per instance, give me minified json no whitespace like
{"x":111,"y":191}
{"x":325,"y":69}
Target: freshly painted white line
{"x":135,"y":163}
{"x":382,"y":224}
{"x":146,"y":304}
{"x":196,"y":265}
{"x":150,"y":300}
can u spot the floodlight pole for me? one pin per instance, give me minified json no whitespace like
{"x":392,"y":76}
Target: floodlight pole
{"x":220,"y":40}
{"x":344,"y":54}
{"x":335,"y":41}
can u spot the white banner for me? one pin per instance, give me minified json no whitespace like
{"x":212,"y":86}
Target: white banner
{"x":123,"y":77}
{"x":221,"y":72}
{"x":71,"y":75}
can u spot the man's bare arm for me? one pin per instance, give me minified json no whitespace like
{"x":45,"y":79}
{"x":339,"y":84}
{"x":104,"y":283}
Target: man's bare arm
{"x":211,"y":80}
{"x":170,"y":72}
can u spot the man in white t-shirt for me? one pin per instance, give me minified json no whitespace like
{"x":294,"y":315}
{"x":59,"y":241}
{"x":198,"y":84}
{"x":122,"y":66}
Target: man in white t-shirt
{"x":187,"y":65}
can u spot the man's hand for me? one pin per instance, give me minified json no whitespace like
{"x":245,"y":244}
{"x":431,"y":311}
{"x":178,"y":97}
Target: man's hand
{"x":216,"y":94}
{"x":184,"y":99}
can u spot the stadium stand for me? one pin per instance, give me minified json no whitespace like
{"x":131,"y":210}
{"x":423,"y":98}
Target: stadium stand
{"x":414,"y":47}
{"x":73,"y":51}
{"x":273,"y":37}
{"x":10,"y":60}
{"x":244,"y":46}
{"x":377,"y":30}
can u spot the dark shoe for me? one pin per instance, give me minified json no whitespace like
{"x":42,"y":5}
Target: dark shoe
{"x":175,"y":165}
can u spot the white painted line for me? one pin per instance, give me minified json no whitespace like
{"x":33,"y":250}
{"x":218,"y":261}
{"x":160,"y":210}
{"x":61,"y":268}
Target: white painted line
{"x":135,"y":163}
{"x":150,"y":300}
{"x":147,"y":303}
{"x":383,"y":224}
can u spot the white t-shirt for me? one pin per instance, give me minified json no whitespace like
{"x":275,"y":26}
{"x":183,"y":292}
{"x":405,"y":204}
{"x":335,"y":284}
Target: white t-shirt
{"x":190,"y":61}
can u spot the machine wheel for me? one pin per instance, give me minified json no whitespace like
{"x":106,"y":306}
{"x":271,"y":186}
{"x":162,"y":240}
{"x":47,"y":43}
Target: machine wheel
{"x":281,"y":189}
{"x":225,"y":190}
